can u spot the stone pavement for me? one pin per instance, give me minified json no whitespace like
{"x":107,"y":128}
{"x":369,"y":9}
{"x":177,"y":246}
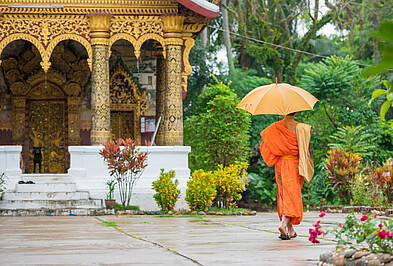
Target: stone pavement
{"x":152,"y":240}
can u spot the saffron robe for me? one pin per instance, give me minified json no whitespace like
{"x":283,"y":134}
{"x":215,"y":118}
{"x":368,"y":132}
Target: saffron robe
{"x":279,"y":147}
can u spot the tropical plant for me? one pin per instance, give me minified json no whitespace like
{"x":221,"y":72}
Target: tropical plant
{"x":365,"y":189}
{"x":262,"y":189}
{"x":201,"y":190}
{"x":218,"y":134}
{"x":231,"y":181}
{"x":354,"y":140}
{"x":389,"y":98}
{"x":342,"y":168}
{"x":126,"y":164}
{"x":166,"y":189}
{"x":111,"y":188}
{"x":3,"y":182}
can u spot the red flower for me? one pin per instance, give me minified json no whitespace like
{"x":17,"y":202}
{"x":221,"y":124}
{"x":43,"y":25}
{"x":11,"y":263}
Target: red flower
{"x":340,"y":224}
{"x":389,"y":234}
{"x":365,"y":217}
{"x":382,"y":234}
{"x":322,"y":214}
{"x":380,"y":225}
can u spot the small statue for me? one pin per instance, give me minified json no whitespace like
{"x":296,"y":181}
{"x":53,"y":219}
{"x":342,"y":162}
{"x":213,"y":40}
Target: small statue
{"x":37,"y":157}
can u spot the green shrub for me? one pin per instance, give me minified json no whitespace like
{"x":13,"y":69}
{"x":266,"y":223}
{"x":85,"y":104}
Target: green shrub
{"x":231,"y":181}
{"x":262,"y":189}
{"x":167,"y":191}
{"x":201,"y":190}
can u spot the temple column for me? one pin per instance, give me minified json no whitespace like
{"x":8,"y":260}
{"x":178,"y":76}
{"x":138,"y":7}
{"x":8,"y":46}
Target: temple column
{"x":160,"y":94}
{"x":173,"y":117}
{"x":100,"y":100}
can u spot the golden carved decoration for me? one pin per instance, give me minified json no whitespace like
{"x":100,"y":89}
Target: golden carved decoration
{"x":100,"y":100}
{"x":135,"y":7}
{"x":193,"y":28}
{"x":172,"y":23}
{"x":136,"y":30}
{"x":99,"y":28}
{"x":160,"y":95}
{"x":47,"y":129}
{"x":173,"y":120}
{"x":44,"y":32}
{"x":128,"y":103}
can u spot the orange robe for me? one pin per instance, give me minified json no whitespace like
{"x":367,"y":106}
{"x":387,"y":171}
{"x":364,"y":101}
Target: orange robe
{"x":279,"y":147}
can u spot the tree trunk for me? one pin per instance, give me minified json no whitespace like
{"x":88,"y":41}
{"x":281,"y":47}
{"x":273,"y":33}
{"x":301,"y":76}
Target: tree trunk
{"x":204,"y":38}
{"x":304,"y":43}
{"x":227,"y":38}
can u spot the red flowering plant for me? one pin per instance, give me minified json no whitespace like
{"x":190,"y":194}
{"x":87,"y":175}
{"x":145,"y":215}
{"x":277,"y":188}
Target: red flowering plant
{"x":366,"y":233}
{"x":125,"y":163}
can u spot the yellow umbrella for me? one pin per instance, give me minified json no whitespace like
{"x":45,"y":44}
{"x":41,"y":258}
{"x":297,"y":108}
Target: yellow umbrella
{"x":277,"y":99}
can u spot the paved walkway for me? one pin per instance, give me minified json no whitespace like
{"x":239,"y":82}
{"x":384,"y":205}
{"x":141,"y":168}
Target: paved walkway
{"x":149,"y":240}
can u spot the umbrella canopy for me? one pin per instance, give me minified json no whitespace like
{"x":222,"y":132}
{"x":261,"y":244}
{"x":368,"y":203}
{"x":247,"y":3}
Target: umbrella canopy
{"x":277,"y":99}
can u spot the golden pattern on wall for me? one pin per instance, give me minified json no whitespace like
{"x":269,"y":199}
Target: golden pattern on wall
{"x":128,"y":103}
{"x":47,"y":130}
{"x":160,"y":97}
{"x":100,"y":101}
{"x":136,"y":30}
{"x":173,"y":122}
{"x":45,"y":32}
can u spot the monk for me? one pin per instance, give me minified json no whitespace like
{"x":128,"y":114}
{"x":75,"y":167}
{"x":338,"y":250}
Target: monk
{"x":286,"y":144}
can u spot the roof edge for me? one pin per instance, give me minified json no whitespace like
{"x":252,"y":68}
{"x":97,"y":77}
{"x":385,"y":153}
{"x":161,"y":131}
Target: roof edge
{"x":201,"y":7}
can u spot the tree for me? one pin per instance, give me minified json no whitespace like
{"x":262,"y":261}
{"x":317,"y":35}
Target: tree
{"x":218,"y":134}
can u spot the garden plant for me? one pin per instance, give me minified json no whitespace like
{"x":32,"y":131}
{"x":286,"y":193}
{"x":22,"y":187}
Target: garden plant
{"x":166,"y":189}
{"x":125,"y":163}
{"x":201,"y":190}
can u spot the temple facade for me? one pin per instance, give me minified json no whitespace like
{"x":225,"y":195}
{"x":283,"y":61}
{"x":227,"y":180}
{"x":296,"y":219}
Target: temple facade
{"x":75,"y":73}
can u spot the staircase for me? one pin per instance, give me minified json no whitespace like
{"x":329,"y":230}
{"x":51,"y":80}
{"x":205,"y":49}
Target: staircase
{"x":50,"y":194}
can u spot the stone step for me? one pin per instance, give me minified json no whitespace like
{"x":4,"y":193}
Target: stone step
{"x":46,"y":187}
{"x":73,"y":195}
{"x":56,"y":212}
{"x":47,"y":178}
{"x":52,"y":204}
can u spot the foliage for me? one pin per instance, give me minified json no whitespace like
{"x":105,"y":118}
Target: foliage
{"x":386,"y":180}
{"x":3,"y":182}
{"x":354,"y":140}
{"x":383,"y":134}
{"x":125,"y":163}
{"x":365,"y":190}
{"x":218,"y":134}
{"x":319,"y":191}
{"x":385,"y":34}
{"x":262,"y":189}
{"x":166,"y":189}
{"x":201,"y":190}
{"x":111,"y":188}
{"x":341,"y":169}
{"x":231,"y":181}
{"x":389,"y":98}
{"x":365,"y":233}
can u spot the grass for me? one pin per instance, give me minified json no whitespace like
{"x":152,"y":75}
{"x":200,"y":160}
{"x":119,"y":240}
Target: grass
{"x":224,"y":210}
{"x":119,"y":207}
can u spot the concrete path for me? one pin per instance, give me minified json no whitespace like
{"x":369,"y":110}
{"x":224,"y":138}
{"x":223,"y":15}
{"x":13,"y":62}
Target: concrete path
{"x":152,"y":240}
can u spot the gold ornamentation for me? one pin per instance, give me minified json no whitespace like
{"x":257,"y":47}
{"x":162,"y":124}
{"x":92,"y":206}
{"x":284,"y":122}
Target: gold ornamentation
{"x":136,"y":30}
{"x":172,"y":24}
{"x":100,"y":100}
{"x":128,"y":103}
{"x":47,"y":129}
{"x":99,"y":28}
{"x":45,"y":32}
{"x":173,"y":120}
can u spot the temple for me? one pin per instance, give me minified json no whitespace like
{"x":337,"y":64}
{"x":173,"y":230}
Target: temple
{"x":75,"y":73}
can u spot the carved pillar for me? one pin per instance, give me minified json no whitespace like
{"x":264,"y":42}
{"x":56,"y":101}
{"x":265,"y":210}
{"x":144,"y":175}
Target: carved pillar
{"x":173,"y":119}
{"x":160,"y":94}
{"x":18,"y":121}
{"x":100,"y":100}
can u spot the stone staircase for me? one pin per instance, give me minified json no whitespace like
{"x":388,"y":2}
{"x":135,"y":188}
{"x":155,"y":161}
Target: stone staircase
{"x":51,"y":194}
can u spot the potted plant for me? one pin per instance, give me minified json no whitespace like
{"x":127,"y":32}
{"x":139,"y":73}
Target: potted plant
{"x":110,"y":201}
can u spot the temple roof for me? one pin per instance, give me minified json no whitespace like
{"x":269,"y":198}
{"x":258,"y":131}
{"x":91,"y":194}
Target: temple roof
{"x":201,"y":7}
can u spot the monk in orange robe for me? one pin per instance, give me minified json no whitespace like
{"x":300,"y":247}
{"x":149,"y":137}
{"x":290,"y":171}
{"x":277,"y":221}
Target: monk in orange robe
{"x":279,"y":147}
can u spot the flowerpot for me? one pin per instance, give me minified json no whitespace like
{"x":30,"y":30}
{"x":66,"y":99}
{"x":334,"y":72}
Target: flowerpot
{"x":110,"y":204}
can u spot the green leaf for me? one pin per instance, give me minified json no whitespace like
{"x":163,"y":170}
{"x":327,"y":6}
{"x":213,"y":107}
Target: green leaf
{"x":384,"y":108}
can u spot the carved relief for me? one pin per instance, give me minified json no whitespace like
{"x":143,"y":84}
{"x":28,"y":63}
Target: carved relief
{"x":128,"y":103}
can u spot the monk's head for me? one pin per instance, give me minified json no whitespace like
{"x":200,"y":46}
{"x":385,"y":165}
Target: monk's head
{"x":292,"y":114}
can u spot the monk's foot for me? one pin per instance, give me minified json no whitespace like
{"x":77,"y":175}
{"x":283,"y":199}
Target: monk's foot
{"x":283,"y":233}
{"x":292,"y":233}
